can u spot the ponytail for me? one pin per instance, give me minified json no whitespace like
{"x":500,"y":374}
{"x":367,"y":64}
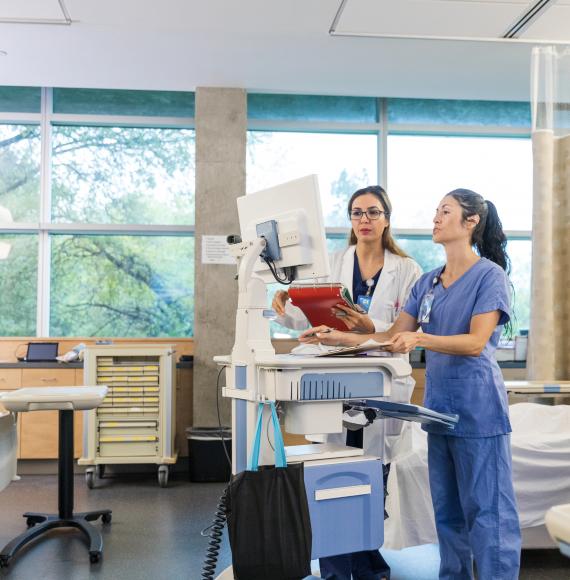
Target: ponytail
{"x":488,"y":236}
{"x":492,"y":242}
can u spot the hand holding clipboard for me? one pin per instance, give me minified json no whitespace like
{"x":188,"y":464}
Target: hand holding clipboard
{"x":326,"y":303}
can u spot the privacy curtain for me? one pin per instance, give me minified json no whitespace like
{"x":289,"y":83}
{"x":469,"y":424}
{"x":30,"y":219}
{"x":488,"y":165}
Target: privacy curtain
{"x":549,"y":337}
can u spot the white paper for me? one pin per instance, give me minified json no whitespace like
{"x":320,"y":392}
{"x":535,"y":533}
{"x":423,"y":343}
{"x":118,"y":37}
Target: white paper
{"x":216,"y":250}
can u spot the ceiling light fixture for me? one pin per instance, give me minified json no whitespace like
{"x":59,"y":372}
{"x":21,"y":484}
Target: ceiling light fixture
{"x":536,"y":10}
{"x":65,"y":21}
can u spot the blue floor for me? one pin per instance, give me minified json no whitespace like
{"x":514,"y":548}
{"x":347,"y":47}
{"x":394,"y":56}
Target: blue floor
{"x":417,"y":563}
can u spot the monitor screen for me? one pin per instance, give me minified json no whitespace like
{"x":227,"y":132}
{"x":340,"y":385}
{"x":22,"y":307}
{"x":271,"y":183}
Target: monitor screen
{"x":41,"y":351}
{"x":290,"y":216}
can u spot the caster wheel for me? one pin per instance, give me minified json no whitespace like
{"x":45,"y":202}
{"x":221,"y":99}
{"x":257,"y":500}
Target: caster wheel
{"x":101,"y":471}
{"x":90,"y":478}
{"x":106,"y":518}
{"x":94,"y":557}
{"x":30,"y":522}
{"x":163,"y":475}
{"x":4,"y":561}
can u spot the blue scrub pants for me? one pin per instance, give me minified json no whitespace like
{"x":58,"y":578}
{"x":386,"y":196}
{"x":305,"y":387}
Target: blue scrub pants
{"x":475,"y":509}
{"x":367,"y":565}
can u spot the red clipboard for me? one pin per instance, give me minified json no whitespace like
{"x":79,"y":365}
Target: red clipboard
{"x":317,"y":303}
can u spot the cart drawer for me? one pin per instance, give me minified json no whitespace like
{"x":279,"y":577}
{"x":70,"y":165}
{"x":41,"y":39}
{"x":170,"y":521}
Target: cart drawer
{"x":126,"y":430}
{"x":128,"y":449}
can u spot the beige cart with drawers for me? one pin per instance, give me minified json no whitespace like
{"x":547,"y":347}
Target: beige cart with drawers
{"x":136,"y":422}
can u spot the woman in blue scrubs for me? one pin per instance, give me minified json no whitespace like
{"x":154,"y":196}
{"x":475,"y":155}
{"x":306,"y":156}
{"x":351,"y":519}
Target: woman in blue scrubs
{"x":461,"y":309}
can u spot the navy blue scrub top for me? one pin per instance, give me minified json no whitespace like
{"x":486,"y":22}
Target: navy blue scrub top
{"x":359,"y":287}
{"x":471,"y":386}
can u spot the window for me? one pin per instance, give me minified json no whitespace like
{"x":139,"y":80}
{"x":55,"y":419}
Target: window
{"x":18,"y":284}
{"x":110,"y":244}
{"x":122,"y":175}
{"x":125,"y":286}
{"x":499,"y":169}
{"x":421,"y":148}
{"x":343,"y":162}
{"x":19,"y":173}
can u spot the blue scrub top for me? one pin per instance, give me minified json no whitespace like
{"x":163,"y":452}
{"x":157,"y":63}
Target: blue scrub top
{"x":470,"y":386}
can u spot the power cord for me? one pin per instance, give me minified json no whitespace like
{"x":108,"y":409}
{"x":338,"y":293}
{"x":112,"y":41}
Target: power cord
{"x":219,"y":418}
{"x":215,"y":530}
{"x":289,"y":273}
{"x":215,"y":534}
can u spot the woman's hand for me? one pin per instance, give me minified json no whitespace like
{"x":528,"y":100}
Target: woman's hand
{"x":279,"y":300}
{"x":329,"y":336}
{"x":404,"y":342}
{"x":355,"y":321}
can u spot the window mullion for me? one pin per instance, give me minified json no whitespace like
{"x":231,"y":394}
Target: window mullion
{"x":383,"y":144}
{"x":44,"y":259}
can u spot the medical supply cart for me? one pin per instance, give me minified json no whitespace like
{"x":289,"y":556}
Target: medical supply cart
{"x":136,"y":422}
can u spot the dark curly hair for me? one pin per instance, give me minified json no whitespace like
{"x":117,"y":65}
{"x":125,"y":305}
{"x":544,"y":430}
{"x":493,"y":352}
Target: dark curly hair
{"x":488,"y":236}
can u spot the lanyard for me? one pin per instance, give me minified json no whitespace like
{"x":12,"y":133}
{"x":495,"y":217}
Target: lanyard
{"x":427,"y":300}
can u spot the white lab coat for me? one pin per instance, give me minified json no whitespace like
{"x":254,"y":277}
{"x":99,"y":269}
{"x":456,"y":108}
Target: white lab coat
{"x":385,"y":437}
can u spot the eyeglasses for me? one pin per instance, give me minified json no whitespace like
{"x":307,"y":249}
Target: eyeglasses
{"x":371,"y":213}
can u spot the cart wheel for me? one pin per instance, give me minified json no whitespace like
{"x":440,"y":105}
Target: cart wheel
{"x":30,"y":522}
{"x":106,"y":518}
{"x":90,"y":477}
{"x":4,"y":561}
{"x":163,"y":475}
{"x":100,"y":471}
{"x":94,"y":557}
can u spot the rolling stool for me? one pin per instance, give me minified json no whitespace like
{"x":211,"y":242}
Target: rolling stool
{"x":65,"y":400}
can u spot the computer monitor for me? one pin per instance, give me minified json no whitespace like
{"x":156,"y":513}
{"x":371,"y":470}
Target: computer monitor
{"x":289,"y":216}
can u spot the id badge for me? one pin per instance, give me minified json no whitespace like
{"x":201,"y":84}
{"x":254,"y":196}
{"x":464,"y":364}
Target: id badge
{"x":425,"y":308}
{"x":364,"y":302}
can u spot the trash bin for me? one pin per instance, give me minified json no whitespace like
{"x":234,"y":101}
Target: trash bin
{"x":207,"y":460}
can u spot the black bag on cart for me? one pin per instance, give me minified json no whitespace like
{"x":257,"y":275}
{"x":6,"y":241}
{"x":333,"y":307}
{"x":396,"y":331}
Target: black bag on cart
{"x":268,"y":518}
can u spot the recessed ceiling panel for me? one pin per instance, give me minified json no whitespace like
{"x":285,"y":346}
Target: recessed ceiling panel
{"x":476,"y":19}
{"x":553,"y":25}
{"x":30,"y":9}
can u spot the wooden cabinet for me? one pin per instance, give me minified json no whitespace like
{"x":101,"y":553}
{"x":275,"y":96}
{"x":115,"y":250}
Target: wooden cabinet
{"x":419,"y":375}
{"x":48,"y":377}
{"x":39,"y":434}
{"x":39,"y":429}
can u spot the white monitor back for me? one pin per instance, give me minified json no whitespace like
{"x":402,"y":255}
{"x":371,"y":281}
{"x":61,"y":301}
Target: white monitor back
{"x":296,"y":207}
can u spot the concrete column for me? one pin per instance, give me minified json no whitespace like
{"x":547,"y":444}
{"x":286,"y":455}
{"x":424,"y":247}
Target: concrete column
{"x":221,"y":126}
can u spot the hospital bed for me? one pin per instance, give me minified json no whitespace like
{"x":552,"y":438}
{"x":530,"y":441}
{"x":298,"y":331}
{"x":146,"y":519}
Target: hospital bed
{"x":541,"y":473}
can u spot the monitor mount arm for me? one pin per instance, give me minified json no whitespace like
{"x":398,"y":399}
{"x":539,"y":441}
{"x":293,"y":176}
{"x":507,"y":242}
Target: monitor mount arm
{"x":252,"y":336}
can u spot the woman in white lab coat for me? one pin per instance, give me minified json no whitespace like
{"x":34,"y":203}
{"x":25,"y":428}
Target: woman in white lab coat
{"x":379,"y":276}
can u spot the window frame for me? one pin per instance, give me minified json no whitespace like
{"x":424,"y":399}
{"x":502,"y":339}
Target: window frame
{"x":45,"y":228}
{"x":382,"y":129}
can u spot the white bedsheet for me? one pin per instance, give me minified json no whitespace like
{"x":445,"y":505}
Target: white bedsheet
{"x":541,"y":473}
